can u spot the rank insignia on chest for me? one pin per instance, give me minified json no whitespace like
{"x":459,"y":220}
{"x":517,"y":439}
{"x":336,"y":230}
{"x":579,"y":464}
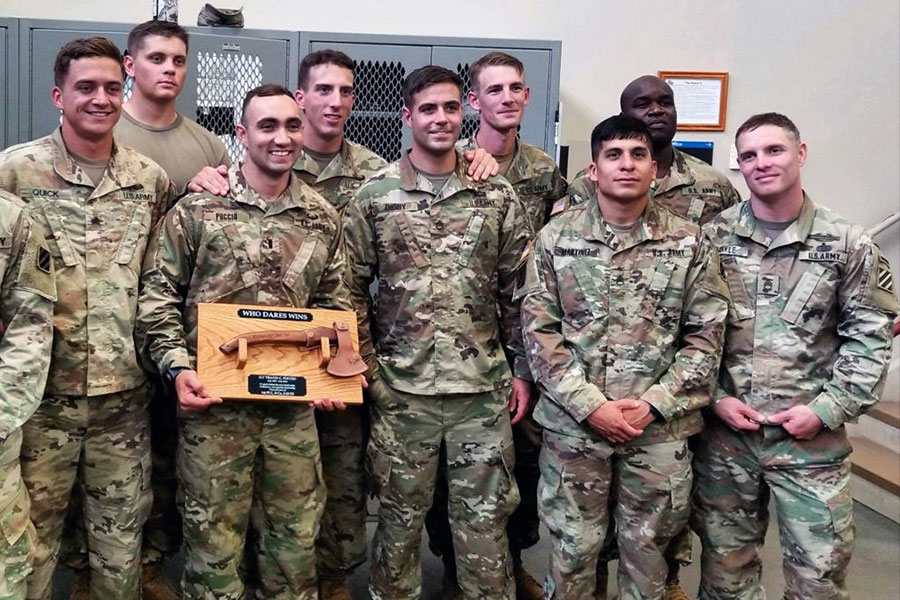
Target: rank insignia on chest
{"x":768,"y":285}
{"x":885,"y":279}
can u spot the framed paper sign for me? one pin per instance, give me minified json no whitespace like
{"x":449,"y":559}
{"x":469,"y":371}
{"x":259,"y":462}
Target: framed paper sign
{"x":700,"y":99}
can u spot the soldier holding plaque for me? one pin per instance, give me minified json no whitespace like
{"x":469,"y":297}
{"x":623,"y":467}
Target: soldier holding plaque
{"x":270,"y":241}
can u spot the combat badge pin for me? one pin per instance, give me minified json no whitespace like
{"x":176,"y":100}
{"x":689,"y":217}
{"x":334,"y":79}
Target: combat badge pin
{"x":884,"y":278}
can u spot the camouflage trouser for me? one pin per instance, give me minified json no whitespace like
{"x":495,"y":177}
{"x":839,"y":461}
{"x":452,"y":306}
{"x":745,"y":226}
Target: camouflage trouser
{"x":103,"y":443}
{"x":17,"y":543}
{"x":524,"y":524}
{"x":235,"y":456}
{"x":680,"y":551}
{"x":812,"y":503}
{"x":341,"y":544}
{"x":402,"y":459}
{"x":651,"y":486}
{"x":162,"y":532}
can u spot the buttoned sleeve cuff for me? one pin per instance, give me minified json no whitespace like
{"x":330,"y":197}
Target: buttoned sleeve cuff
{"x":582,"y":401}
{"x":828,"y":409}
{"x":659,"y":398}
{"x":521,"y":370}
{"x":174,"y":359}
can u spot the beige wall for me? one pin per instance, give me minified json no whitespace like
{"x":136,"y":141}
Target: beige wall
{"x":832,"y":65}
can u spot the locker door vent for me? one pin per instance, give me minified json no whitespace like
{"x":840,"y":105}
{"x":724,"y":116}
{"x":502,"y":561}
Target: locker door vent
{"x":223,"y":79}
{"x":376,"y":121}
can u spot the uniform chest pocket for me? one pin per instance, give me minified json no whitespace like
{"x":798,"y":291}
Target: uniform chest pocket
{"x":811,"y":302}
{"x":57,"y":239}
{"x":135,"y":237}
{"x":409,"y":240}
{"x":226,"y":265}
{"x":656,"y":289}
{"x":294,"y":276}
{"x":740,"y":305}
{"x":579,"y":294}
{"x":470,"y":238}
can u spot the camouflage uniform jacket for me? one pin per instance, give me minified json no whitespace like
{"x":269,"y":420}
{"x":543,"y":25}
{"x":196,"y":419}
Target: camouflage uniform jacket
{"x":97,"y":236}
{"x":340,"y":179}
{"x":693,"y":190}
{"x":446,"y":265}
{"x":27,"y":293}
{"x":535,"y":178}
{"x":809,"y":322}
{"x":607,"y":318}
{"x":240,"y":249}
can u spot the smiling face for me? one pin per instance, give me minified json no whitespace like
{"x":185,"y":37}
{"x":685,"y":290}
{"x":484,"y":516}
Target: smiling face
{"x":770,"y":159}
{"x":90,"y":97}
{"x":159,"y":67}
{"x":623,"y":169}
{"x":271,"y":131}
{"x":500,"y":97}
{"x":435,"y":118}
{"x":326,"y":103}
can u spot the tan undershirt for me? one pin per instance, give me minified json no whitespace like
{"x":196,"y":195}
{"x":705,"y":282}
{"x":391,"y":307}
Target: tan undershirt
{"x":322,"y":159}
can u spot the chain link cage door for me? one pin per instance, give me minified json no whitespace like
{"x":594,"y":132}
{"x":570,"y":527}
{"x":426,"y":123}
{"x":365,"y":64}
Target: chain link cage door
{"x":376,"y":121}
{"x":223,"y":79}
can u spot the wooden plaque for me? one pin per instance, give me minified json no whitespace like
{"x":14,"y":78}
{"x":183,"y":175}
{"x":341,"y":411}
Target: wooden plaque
{"x":273,"y":372}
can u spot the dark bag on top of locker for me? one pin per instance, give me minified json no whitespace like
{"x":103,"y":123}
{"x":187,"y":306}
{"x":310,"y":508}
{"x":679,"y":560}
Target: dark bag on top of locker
{"x":210,"y":16}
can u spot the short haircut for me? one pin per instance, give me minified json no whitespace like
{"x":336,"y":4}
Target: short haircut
{"x":428,"y":76}
{"x":618,"y":127}
{"x":93,"y":47}
{"x":769,"y":118}
{"x":494,"y":59}
{"x":166,"y":29}
{"x":263,"y":91}
{"x":326,"y":56}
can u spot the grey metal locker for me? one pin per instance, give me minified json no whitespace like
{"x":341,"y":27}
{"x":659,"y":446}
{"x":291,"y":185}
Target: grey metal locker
{"x":376,"y":121}
{"x":223,"y":64}
{"x":9,"y":100}
{"x":380,"y":87}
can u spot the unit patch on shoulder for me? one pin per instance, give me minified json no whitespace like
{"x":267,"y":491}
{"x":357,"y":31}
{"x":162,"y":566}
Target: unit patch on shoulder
{"x":44,"y":260}
{"x":885,"y":280}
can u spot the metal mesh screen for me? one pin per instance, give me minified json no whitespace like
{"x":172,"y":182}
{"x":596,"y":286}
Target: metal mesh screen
{"x":223,"y":79}
{"x":376,"y":120}
{"x":470,"y":115}
{"x":127,"y":88}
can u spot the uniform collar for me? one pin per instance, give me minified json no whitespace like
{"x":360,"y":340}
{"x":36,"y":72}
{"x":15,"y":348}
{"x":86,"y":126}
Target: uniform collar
{"x":116,"y":176}
{"x":651,"y":226}
{"x":342,"y":165}
{"x":679,"y":175}
{"x":411,"y":180}
{"x":748,"y":226}
{"x":520,"y":168}
{"x":294,"y":196}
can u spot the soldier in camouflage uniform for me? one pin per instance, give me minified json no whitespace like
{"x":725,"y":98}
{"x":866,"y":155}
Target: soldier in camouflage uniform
{"x":271,"y":241}
{"x":684,"y":184}
{"x":623,"y":316}
{"x":444,"y":250}
{"x":500,"y":96}
{"x":692,"y":190}
{"x":95,"y":202}
{"x":336,"y":167}
{"x":27,"y":293}
{"x":807,"y":349}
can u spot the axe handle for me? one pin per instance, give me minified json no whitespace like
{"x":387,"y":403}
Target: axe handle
{"x":309,"y":338}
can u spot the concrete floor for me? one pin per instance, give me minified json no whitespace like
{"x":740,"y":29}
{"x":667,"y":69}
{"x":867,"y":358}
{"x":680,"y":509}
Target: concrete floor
{"x":874,"y":570}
